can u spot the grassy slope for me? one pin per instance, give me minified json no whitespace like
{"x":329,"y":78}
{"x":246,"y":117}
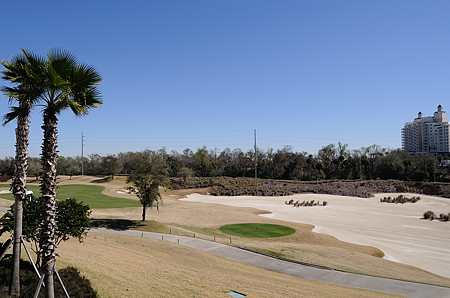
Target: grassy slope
{"x":121,"y":266}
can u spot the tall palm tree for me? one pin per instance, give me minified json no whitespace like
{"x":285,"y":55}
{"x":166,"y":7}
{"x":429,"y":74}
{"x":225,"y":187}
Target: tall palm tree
{"x":18,"y":72}
{"x":63,"y":83}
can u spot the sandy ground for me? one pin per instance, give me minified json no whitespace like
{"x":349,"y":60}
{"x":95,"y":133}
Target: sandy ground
{"x":397,"y":229}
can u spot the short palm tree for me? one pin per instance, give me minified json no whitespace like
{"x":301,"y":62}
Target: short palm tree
{"x":61,"y":83}
{"x":17,"y":71}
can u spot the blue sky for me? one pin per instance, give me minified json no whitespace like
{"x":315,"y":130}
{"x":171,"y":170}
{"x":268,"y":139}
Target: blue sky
{"x":188,"y":74}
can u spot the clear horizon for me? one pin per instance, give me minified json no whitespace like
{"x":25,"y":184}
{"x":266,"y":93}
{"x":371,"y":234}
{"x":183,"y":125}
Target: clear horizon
{"x":192,"y":74}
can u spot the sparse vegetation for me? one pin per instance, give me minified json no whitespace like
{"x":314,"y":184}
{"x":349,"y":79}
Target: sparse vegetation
{"x":305,"y":203}
{"x":431,"y":216}
{"x":401,"y":199}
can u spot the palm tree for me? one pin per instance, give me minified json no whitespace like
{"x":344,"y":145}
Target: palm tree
{"x":18,"y":72}
{"x":62,"y":83}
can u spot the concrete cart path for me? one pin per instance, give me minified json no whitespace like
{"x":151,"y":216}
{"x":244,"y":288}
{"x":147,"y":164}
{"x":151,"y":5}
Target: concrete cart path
{"x":384,"y":285}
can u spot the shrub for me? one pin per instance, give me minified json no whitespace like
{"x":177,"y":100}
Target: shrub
{"x":432,"y":189}
{"x":4,"y":178}
{"x":72,"y":217}
{"x":444,"y":217}
{"x":415,"y":199}
{"x":75,"y":284}
{"x":429,"y":215}
{"x":400,"y":199}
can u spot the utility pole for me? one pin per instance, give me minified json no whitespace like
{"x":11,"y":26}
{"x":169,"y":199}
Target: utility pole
{"x":256,"y":171}
{"x":82,"y":157}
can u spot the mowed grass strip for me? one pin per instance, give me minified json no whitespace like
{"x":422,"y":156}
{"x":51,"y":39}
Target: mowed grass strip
{"x":257,"y":230}
{"x":90,"y":195}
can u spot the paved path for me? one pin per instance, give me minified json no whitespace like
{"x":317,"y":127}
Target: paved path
{"x":390,"y":286}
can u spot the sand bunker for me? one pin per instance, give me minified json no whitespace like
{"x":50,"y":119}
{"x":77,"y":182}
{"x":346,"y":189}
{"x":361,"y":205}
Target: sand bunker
{"x":397,"y":229}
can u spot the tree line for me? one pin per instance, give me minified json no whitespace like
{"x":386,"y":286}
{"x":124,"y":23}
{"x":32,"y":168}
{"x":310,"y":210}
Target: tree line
{"x":334,"y":161}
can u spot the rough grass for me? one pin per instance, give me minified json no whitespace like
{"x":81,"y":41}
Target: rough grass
{"x":257,"y":230}
{"x":119,"y":266}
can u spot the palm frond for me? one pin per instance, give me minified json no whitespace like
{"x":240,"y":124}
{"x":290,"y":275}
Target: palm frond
{"x":35,"y":61}
{"x":16,"y":69}
{"x":76,"y":108}
{"x":16,"y":113}
{"x":85,"y":74}
{"x":90,"y":98}
{"x":62,"y":61}
{"x":56,"y":81}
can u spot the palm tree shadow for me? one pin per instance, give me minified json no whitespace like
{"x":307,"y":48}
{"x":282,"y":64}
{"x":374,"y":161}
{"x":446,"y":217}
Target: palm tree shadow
{"x":116,"y":224}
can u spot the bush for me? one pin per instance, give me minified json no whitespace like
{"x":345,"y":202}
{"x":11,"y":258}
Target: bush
{"x":4,"y":178}
{"x":72,"y":217}
{"x":76,"y":284}
{"x":429,"y":215}
{"x":444,"y":217}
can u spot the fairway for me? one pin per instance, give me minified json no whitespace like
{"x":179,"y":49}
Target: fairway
{"x":257,"y":230}
{"x":90,"y":195}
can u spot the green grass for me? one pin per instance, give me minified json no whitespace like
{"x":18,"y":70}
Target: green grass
{"x":257,"y":230}
{"x":88,"y":194}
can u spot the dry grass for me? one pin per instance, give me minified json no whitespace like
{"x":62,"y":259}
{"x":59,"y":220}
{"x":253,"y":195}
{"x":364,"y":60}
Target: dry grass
{"x":135,"y":267}
{"x":121,"y":266}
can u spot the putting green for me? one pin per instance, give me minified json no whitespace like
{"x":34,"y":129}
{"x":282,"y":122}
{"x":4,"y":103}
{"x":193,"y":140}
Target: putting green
{"x":257,"y":230}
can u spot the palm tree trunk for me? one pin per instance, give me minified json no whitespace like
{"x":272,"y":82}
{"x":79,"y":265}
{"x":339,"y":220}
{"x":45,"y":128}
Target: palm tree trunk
{"x":48,"y":189}
{"x":19,"y":192}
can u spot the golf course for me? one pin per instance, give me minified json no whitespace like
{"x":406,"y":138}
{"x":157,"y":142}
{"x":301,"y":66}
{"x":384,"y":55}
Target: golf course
{"x":123,"y":266}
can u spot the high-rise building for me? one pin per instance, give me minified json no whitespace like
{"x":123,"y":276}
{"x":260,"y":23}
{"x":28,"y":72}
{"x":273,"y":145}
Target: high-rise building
{"x":427,"y":134}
